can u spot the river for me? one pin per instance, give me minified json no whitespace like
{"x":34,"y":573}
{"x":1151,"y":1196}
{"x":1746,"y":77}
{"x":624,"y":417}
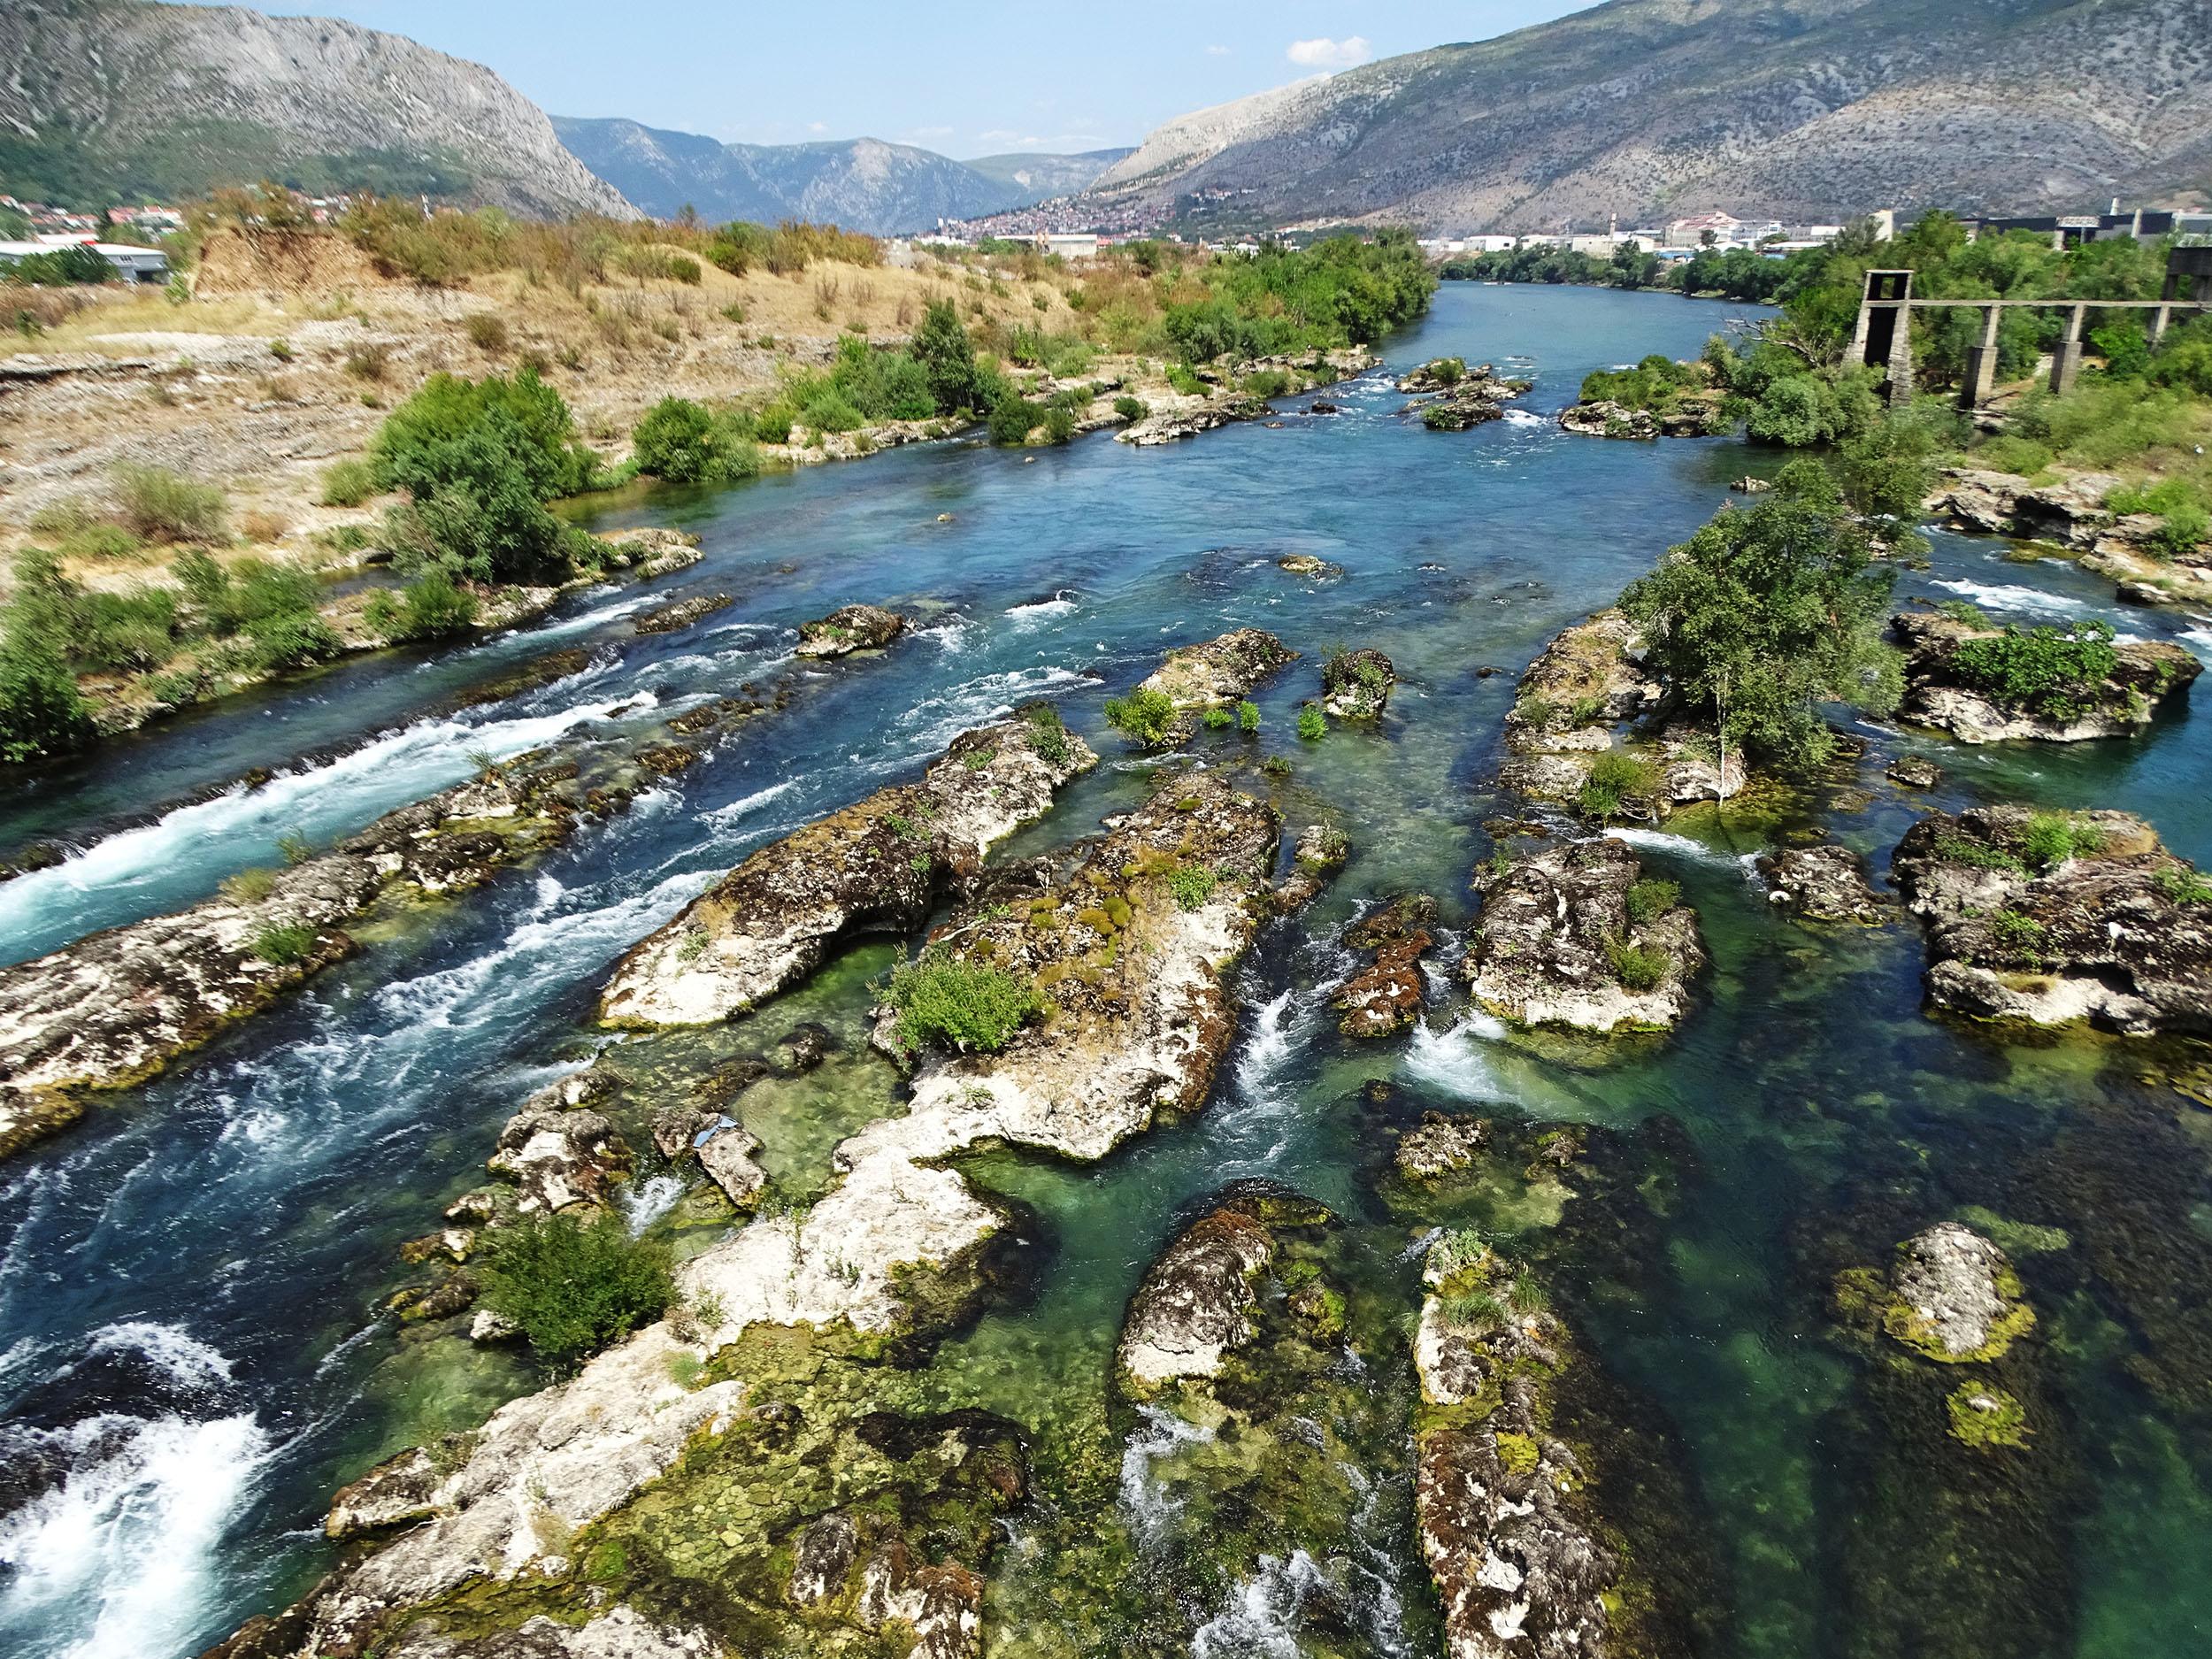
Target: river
{"x":192,"y":1350}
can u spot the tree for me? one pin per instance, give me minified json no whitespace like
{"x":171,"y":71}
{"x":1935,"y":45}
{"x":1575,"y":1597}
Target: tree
{"x":1767,"y":612}
{"x":942,"y":346}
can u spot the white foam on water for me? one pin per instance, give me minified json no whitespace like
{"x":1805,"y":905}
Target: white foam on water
{"x":2200,"y":641}
{"x":236,"y":827}
{"x":1522,"y":417}
{"x":2006,"y":596}
{"x":934,"y":722}
{"x":721,"y":817}
{"x":1062,"y":603}
{"x":1452,"y":1060}
{"x":588,"y":620}
{"x":1665,"y":842}
{"x":118,"y":1556}
{"x":1151,"y":1506}
{"x":1262,"y":1618}
{"x":644,"y":1202}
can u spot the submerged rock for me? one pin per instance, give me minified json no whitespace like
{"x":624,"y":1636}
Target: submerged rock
{"x":1307,"y":565}
{"x":1953,"y":1296}
{"x":1387,"y":996}
{"x":669,"y":618}
{"x":1822,"y":884}
{"x":1355,"y":685}
{"x":1939,"y":692}
{"x":2051,"y":919}
{"x":875,"y":866}
{"x":849,"y":629}
{"x":1560,"y":942}
{"x":1914,"y":772}
{"x":1440,"y":1145}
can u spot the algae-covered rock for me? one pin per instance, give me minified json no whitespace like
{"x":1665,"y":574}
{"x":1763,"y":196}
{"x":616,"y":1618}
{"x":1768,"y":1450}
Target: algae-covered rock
{"x":849,"y":629}
{"x":1440,"y":1145}
{"x":1953,"y":1296}
{"x":1198,"y":1301}
{"x":1355,"y":685}
{"x":682,"y":614}
{"x":2051,"y":918}
{"x":1822,"y":884}
{"x":1603,"y":419}
{"x":1560,"y":942}
{"x":1387,"y":996}
{"x":1940,"y":690}
{"x":1512,"y":1512}
{"x":875,"y":866}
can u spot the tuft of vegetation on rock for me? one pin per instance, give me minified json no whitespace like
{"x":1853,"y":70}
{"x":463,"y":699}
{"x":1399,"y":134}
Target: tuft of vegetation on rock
{"x":572,"y":1287}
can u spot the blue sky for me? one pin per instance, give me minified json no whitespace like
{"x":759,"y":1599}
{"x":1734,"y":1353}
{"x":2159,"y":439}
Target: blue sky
{"x":966,"y":79}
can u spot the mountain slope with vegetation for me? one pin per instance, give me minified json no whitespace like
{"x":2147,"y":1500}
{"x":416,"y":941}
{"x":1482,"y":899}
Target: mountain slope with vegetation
{"x":109,"y":100}
{"x":863,"y":183}
{"x":1652,"y":108}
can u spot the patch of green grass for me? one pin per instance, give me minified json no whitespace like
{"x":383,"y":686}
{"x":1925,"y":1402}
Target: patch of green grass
{"x":1963,"y":850}
{"x":2019,"y":936}
{"x":284,"y":943}
{"x":1048,"y":736}
{"x":1219,"y":719}
{"x":1312,"y":724}
{"x":1615,"y":778}
{"x":1247,"y":717}
{"x":2052,"y":838}
{"x":1651,"y":898}
{"x":249,"y":886}
{"x":2184,"y":887}
{"x":1191,"y":887}
{"x":1638,"y":967}
{"x":348,"y":483}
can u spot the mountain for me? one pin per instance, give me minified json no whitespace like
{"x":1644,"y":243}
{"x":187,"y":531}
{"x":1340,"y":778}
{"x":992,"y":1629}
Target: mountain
{"x":1796,"y":109}
{"x":1039,"y":177}
{"x":861,"y":183}
{"x":106,"y":100}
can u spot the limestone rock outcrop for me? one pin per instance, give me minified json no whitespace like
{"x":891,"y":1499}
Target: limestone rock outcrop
{"x":849,"y":629}
{"x":1941,"y":691}
{"x":1822,"y":884}
{"x":877,"y":865}
{"x":1560,"y":942}
{"x":2051,"y":919}
{"x":1387,"y":996}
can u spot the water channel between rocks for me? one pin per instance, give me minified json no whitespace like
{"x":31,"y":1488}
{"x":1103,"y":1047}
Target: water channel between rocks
{"x":190,"y":1278}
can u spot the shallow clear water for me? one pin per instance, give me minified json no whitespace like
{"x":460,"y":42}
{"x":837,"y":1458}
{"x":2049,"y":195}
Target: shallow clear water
{"x":190,"y":1281}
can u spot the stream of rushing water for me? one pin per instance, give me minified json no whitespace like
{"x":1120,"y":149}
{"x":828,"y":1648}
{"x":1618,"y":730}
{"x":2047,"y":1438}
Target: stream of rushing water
{"x":191,"y":1351}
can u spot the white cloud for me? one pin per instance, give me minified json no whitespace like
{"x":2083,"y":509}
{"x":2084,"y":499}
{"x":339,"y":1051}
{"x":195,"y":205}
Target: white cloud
{"x":818,"y":126}
{"x":1216,"y":52}
{"x":1323,"y":53}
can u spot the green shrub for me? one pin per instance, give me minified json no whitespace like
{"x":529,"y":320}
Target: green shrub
{"x":1267,"y":383}
{"x":947,"y":356}
{"x":1312,"y":724}
{"x":1638,"y":967}
{"x":1048,"y":736}
{"x":160,"y":505}
{"x":772,"y":424}
{"x":100,"y":541}
{"x":2019,"y":936}
{"x":1059,"y":424}
{"x":431,"y":607}
{"x":943,"y":999}
{"x":348,"y":483}
{"x":1144,"y":716}
{"x":681,"y":443}
{"x":1191,"y":886}
{"x":571,"y":1287}
{"x":1652,"y":898}
{"x":2184,"y":887}
{"x":1219,"y":719}
{"x":1131,"y":409}
{"x":1247,"y":715}
{"x":2009,"y":453}
{"x":1180,"y":377}
{"x":2058,"y":673}
{"x":1012,"y":419}
{"x":486,"y":333}
{"x":42,"y":714}
{"x":1615,"y":778}
{"x":282,"y":944}
{"x":291,"y":639}
{"x":1960,"y":850}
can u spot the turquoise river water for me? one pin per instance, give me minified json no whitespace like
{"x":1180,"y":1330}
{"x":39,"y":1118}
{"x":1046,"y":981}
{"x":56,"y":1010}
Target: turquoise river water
{"x":192,"y":1355}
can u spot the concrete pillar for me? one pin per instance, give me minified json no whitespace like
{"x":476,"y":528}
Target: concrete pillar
{"x":2066,"y":361}
{"x":2159,"y":319}
{"x":1980,"y":383}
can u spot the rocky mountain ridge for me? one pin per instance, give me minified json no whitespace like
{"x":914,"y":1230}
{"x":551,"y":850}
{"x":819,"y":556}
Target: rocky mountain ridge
{"x":1651,"y":109}
{"x":108,"y":98}
{"x":863,"y":184}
